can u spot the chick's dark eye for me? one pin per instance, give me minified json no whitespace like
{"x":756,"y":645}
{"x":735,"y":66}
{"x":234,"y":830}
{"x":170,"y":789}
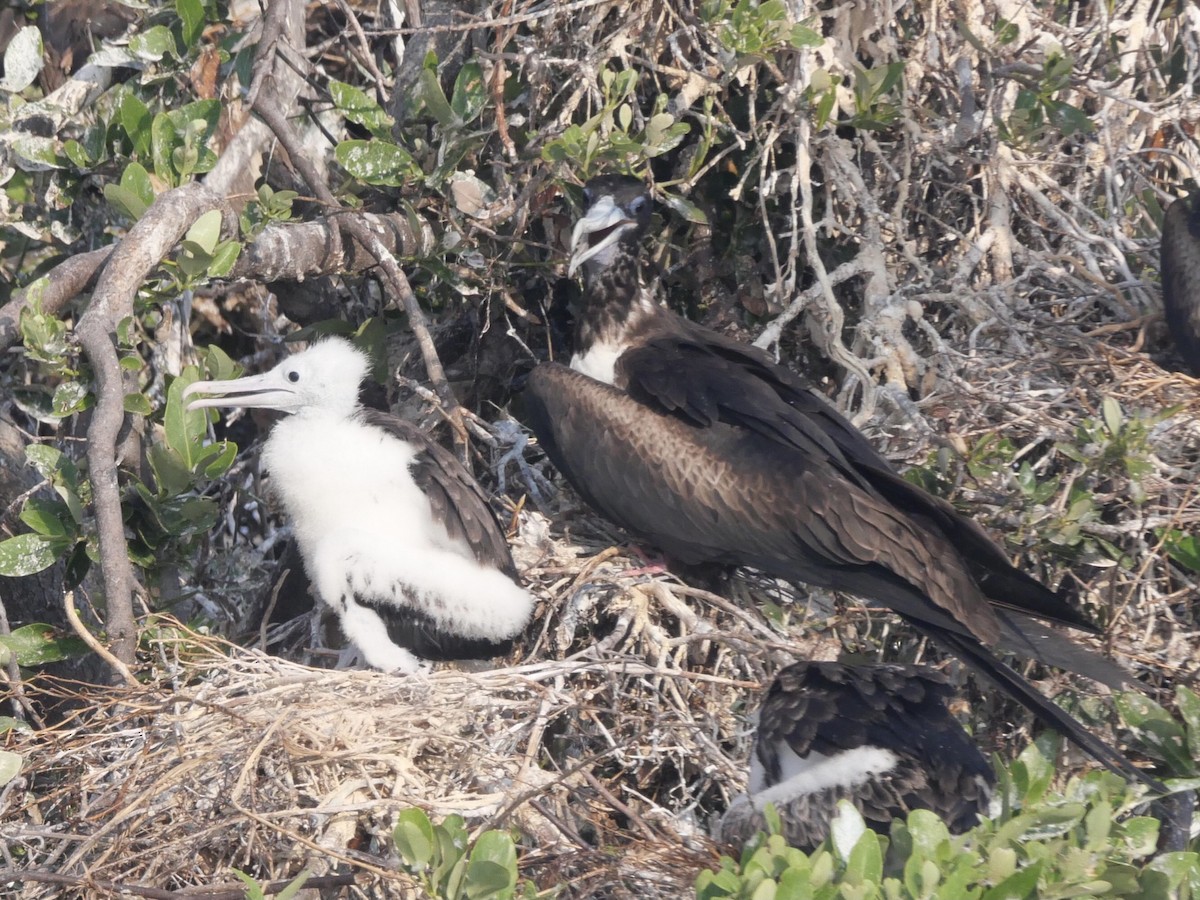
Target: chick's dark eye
{"x":293,"y":376}
{"x":638,"y":205}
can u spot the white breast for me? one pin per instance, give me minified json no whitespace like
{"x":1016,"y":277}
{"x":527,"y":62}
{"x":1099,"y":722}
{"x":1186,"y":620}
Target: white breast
{"x":599,"y":362}
{"x":334,"y":474}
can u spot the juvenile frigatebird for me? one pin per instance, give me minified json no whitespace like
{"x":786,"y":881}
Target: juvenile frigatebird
{"x":713,"y":452}
{"x":397,"y":538}
{"x":878,"y":736}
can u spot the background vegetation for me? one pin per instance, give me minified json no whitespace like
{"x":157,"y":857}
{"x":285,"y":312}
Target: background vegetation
{"x":946,"y":216}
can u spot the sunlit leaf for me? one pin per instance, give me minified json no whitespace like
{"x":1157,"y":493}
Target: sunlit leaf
{"x":28,"y":554}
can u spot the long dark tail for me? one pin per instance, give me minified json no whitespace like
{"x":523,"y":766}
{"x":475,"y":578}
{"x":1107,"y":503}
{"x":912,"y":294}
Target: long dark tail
{"x":1030,"y":638}
{"x":1048,"y":713}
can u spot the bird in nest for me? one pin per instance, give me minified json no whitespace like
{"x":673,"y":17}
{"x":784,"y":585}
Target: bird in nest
{"x":879,"y":736}
{"x":397,"y":538}
{"x":711,"y":451}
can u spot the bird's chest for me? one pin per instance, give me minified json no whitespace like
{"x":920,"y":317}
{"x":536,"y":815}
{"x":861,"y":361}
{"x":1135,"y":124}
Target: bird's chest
{"x":599,"y":361}
{"x":335,"y":475}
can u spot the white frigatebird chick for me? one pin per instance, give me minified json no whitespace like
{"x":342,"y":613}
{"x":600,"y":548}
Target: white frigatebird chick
{"x":397,"y":538}
{"x":710,"y":450}
{"x":879,"y":736}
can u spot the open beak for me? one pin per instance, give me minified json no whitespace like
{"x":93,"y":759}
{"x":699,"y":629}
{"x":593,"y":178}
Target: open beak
{"x":604,"y":216}
{"x":268,"y":390}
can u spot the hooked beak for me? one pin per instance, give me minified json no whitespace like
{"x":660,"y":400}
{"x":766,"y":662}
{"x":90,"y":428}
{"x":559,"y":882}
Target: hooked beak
{"x":604,"y":215}
{"x":268,"y":390}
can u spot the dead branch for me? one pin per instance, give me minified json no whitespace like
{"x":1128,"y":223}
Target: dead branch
{"x":52,"y":292}
{"x":147,"y":242}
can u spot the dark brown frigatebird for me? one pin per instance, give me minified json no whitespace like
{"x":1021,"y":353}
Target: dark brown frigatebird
{"x":397,"y":537}
{"x":1180,"y":259}
{"x":879,"y":736}
{"x":716,"y":454}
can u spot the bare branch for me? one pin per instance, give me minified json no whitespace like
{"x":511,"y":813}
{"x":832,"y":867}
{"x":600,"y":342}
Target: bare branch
{"x":53,"y":290}
{"x":147,"y":242}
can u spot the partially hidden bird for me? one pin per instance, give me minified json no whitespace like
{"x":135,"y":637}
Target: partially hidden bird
{"x":879,"y":736}
{"x":1180,"y":259}
{"x":708,"y":449}
{"x":397,"y":538}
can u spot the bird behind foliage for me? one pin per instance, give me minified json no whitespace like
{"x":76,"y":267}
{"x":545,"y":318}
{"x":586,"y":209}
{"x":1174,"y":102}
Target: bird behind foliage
{"x":878,"y":736}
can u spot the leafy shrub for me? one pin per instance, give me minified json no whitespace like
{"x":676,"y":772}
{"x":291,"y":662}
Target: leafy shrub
{"x":449,"y":868}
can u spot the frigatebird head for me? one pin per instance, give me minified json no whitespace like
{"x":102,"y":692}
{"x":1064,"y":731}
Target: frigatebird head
{"x":324,"y":378}
{"x":616,"y":213}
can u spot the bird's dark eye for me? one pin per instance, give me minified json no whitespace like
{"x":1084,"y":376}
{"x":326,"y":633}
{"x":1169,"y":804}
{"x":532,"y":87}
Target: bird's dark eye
{"x":638,"y":205}
{"x":293,"y":376}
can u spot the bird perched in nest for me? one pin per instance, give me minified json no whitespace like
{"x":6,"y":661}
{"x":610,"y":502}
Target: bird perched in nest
{"x":1180,"y":253}
{"x":716,"y":454}
{"x":878,"y":736}
{"x":397,"y":538}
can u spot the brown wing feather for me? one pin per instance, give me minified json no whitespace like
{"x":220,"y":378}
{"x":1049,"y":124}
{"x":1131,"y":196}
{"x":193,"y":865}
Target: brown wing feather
{"x":696,"y":374}
{"x":1181,"y":276}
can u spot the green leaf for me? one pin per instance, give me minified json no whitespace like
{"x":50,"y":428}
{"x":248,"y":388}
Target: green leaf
{"x":1183,"y":548}
{"x":184,"y":429}
{"x":77,"y":154}
{"x":60,"y":471}
{"x":1111,"y":411}
{"x":71,"y":397}
{"x":413,"y":836}
{"x":206,"y":231}
{"x":124,"y":201}
{"x":10,"y":766}
{"x":226,"y":452}
{"x":23,"y":59}
{"x":432,"y":94}
{"x":28,"y":554}
{"x":45,"y":517}
{"x":138,"y":404}
{"x":802,"y":36}
{"x":361,"y":108}
{"x":489,"y":879}
{"x":686,"y":208}
{"x":497,"y":847}
{"x":254,"y":891}
{"x":172,"y":474}
{"x":470,"y":93}
{"x":865,"y":863}
{"x":153,"y":44}
{"x":162,"y":141}
{"x":136,"y":120}
{"x":846,"y":829}
{"x":218,"y":365}
{"x":37,"y":644}
{"x":191,"y":14}
{"x":224,"y":259}
{"x":1188,"y":702}
{"x":376,"y":162}
{"x":1021,"y":884}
